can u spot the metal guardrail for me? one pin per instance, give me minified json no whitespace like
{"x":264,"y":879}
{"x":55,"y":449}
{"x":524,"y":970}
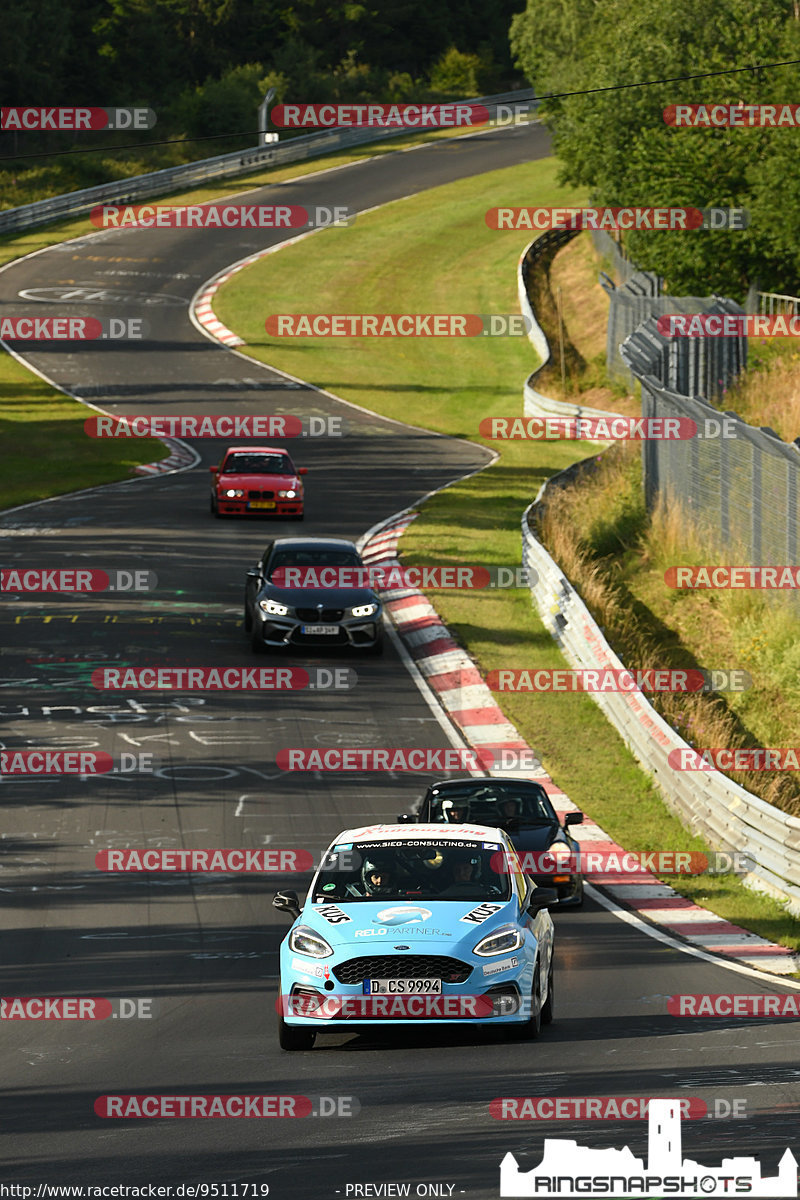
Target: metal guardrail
{"x":223,"y":166}
{"x":723,"y":812}
{"x":536,"y":404}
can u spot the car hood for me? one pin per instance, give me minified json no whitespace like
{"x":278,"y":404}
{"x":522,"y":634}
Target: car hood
{"x":534,"y":837}
{"x":259,"y":482}
{"x":447,"y":926}
{"x":309,"y":597}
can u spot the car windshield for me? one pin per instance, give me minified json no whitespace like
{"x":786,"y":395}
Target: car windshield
{"x":258,"y":464}
{"x":494,"y":803}
{"x":313,"y":558}
{"x":423,"y":869}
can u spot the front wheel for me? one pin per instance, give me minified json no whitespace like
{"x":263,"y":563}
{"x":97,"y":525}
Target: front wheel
{"x":248,"y":620}
{"x":549,"y":1005}
{"x":256,"y":640}
{"x":295,"y":1037}
{"x":530,"y":1029}
{"x":376,"y":649}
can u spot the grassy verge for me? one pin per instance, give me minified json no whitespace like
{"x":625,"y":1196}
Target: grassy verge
{"x":433,"y":253}
{"x":45,"y":449}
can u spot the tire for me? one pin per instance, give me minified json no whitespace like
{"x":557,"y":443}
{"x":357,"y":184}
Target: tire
{"x":548,"y":1007}
{"x":248,"y":620}
{"x":529,"y":1030}
{"x":579,"y":903}
{"x":212,"y":504}
{"x":297,"y":516}
{"x":376,"y":650}
{"x":256,"y":640}
{"x":295,"y":1037}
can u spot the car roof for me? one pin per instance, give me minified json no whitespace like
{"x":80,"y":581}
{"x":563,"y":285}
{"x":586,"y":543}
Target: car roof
{"x":256,"y":450}
{"x":410,"y":832}
{"x":315,"y":543}
{"x":486,"y":781}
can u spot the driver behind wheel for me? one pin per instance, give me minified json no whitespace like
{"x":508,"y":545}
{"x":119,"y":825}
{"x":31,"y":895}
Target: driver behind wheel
{"x":378,"y":877}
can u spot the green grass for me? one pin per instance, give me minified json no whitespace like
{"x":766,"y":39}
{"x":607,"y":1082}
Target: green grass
{"x":45,"y":449}
{"x":433,"y":253}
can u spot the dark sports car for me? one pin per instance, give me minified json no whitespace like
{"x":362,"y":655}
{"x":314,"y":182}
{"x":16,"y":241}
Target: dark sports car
{"x":520,"y":807}
{"x":310,"y":592}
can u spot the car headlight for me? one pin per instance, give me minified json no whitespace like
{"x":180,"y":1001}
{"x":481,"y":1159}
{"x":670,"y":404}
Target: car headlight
{"x":234,"y":493}
{"x":272,"y":606}
{"x":364,"y":610}
{"x":290,"y":495}
{"x":303,"y":940}
{"x":499,"y":942}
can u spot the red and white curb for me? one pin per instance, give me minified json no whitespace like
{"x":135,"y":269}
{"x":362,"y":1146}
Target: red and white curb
{"x":471,"y":707}
{"x":181,"y":456}
{"x":204,"y":312}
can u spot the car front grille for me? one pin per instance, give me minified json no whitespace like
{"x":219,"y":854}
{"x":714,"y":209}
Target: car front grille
{"x":260,"y":495}
{"x":324,"y":616}
{"x":403,"y":966}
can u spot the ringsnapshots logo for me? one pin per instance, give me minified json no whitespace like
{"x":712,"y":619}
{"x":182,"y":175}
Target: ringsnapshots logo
{"x":72,"y":580}
{"x":732,"y":116}
{"x":75,"y":1008}
{"x":402,"y":325}
{"x":616,"y":679}
{"x":72,"y":329}
{"x":223,"y":426}
{"x":223,"y":679}
{"x":652,"y":219}
{"x":570,"y":1170}
{"x":76,"y":120}
{"x":219,"y":216}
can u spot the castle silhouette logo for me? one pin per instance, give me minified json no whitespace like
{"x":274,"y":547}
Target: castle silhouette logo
{"x":568,"y":1169}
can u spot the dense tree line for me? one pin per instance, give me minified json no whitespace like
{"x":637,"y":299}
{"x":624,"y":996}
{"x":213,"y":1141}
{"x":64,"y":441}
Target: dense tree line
{"x":201,"y":63}
{"x":617,"y":144}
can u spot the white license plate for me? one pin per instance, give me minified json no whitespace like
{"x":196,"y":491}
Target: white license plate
{"x":328,"y":630}
{"x":402,"y":987}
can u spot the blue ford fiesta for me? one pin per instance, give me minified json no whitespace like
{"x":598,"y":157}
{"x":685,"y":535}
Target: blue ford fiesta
{"x":417,"y":924}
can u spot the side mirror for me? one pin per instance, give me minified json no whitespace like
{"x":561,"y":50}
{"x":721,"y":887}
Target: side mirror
{"x":573,"y":818}
{"x":302,"y":470}
{"x":404,"y":818}
{"x":256,"y":574}
{"x":213,"y":470}
{"x":541,"y":898}
{"x":288,"y":902}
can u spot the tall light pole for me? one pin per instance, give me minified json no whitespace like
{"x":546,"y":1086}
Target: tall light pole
{"x":264,"y":138}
